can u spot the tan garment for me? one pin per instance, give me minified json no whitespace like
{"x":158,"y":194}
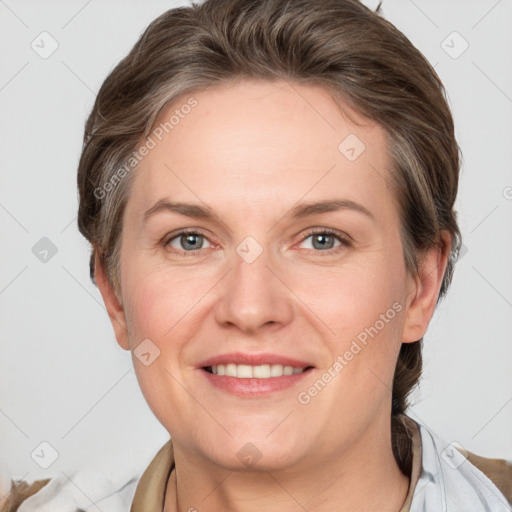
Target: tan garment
{"x":416,"y":462}
{"x":150,"y":492}
{"x":151,"y":489}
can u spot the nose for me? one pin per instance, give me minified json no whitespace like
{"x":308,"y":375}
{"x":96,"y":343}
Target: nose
{"x":254,"y":296}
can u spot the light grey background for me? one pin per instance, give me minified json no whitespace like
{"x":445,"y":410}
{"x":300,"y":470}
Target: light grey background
{"x":64,"y":379}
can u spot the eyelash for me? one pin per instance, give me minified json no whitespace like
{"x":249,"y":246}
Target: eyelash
{"x":345,"y":241}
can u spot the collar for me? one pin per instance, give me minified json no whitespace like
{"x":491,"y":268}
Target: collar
{"x":414,"y":434}
{"x":150,"y":492}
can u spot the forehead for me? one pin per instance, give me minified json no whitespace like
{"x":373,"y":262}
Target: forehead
{"x":254,"y":142}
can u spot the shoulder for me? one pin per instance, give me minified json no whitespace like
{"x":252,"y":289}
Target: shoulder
{"x":454,"y":479}
{"x":19,"y":492}
{"x":86,"y":491}
{"x":499,"y":471}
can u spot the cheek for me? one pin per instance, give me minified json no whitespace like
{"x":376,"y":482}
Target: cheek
{"x":366,"y":312}
{"x":162,"y":302}
{"x":156,"y":311}
{"x":355,"y":300}
{"x":152,"y":309}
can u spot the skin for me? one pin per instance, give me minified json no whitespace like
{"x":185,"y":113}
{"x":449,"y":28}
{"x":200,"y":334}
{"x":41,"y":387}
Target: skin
{"x":251,"y":150}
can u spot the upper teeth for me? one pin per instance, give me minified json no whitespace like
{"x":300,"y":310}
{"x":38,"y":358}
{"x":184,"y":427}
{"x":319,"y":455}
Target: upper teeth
{"x":245,"y":371}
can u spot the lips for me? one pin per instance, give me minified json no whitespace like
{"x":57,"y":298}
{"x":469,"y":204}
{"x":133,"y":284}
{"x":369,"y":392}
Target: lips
{"x":239,"y":358}
{"x":253,"y":375}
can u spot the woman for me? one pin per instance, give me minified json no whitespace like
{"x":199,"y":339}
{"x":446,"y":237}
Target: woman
{"x":268,"y":187}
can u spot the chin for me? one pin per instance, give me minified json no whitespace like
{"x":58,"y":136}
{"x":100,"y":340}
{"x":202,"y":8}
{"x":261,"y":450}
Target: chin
{"x":256,"y":453}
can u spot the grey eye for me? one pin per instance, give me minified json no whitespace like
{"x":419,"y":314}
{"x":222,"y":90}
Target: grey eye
{"x":322,"y":241}
{"x":187,"y":241}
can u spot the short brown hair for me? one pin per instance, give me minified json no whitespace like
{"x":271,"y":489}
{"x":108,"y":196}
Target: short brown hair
{"x":353,"y":52}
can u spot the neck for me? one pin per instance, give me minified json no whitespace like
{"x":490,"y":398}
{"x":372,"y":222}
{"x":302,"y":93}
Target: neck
{"x":365,"y":477}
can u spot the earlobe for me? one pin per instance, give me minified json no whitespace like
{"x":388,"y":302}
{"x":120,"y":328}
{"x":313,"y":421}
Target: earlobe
{"x":424,"y":290}
{"x":112,"y":303}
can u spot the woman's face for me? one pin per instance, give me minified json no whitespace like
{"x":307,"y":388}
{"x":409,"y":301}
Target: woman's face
{"x":252,"y":284}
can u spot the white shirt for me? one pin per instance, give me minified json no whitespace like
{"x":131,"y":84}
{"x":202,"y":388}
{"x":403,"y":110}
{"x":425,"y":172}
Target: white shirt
{"x":448,"y":482}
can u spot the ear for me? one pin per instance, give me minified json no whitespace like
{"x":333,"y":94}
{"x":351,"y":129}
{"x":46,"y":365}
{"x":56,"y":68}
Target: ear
{"x":114,"y":307}
{"x":424,"y":289}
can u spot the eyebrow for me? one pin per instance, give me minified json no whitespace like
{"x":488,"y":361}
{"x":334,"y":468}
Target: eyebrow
{"x":301,"y":210}
{"x":312,"y":208}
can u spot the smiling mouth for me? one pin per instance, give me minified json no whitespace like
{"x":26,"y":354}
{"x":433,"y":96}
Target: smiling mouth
{"x":263,"y":371}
